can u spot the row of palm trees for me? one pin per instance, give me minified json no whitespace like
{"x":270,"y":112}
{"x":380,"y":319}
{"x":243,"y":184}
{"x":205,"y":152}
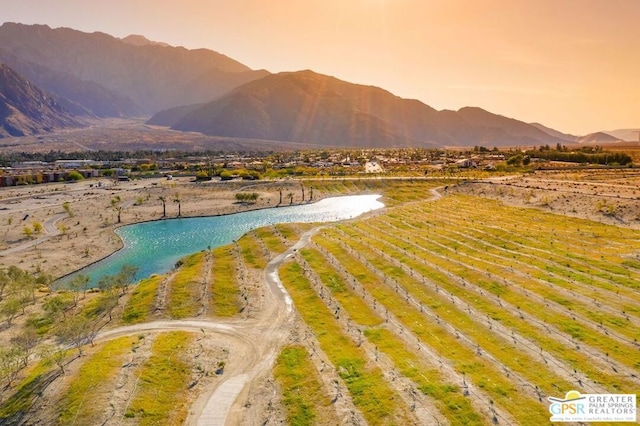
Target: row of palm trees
{"x":116,"y":202}
{"x":176,"y":199}
{"x":290,"y":195}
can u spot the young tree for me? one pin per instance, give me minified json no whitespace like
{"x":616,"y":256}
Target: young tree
{"x":77,"y":331}
{"x":10,"y":309}
{"x":55,"y":354}
{"x":164,"y":205}
{"x":67,"y":208}
{"x":126,"y":277}
{"x":176,"y":199}
{"x":26,"y":342}
{"x":79,"y":283}
{"x":10,"y":365}
{"x":37,"y":228}
{"x":53,"y":306}
{"x":27,"y":231}
{"x":290,"y":195}
{"x":4,"y":283}
{"x":116,"y":205}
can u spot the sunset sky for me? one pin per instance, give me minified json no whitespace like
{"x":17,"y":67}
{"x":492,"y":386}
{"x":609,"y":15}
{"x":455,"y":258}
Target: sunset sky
{"x":573,"y":65}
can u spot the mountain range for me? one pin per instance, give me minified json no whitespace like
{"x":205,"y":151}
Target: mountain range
{"x":95,"y":75}
{"x":305,"y":106}
{"x":111,"y":77}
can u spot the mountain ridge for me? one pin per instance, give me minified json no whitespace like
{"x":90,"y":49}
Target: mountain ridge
{"x":147,"y":77}
{"x":305,"y":106}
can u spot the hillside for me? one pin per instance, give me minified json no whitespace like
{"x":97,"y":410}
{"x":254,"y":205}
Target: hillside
{"x":27,"y":110}
{"x":630,"y":135}
{"x":597,"y":138}
{"x":566,"y":136}
{"x":114,"y":77}
{"x":308,"y":107}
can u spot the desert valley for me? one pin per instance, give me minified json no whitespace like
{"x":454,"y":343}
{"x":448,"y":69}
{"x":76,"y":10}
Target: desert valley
{"x":462,"y":267}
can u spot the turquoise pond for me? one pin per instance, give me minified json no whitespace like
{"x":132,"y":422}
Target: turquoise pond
{"x":155,"y":247}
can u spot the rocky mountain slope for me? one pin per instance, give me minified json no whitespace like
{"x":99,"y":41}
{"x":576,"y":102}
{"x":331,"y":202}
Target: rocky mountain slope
{"x":114,"y":77}
{"x":27,"y":110}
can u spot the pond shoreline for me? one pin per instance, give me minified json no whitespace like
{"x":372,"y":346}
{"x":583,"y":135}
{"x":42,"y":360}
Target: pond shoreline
{"x":117,"y":231}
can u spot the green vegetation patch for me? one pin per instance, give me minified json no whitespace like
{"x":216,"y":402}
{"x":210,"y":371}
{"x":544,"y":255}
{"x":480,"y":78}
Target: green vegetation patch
{"x":224,"y":288}
{"x":359,"y":311}
{"x":270,"y":239}
{"x":140,"y":304}
{"x":251,"y":251}
{"x":303,"y":395}
{"x":30,"y":387}
{"x":93,"y":382}
{"x":161,"y":394}
{"x":185,"y":287}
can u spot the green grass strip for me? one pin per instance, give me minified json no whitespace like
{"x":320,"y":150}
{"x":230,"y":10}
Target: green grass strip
{"x":161,"y":394}
{"x":358,"y":310}
{"x":93,"y":383}
{"x":251,"y":251}
{"x":140,"y":304}
{"x":303,"y":395}
{"x":270,"y":239}
{"x":185,"y":287}
{"x":26,"y":391}
{"x":224,"y":288}
{"x":376,"y":400}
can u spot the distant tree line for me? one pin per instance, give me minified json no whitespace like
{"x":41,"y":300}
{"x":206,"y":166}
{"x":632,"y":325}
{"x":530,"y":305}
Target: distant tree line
{"x":583,"y":157}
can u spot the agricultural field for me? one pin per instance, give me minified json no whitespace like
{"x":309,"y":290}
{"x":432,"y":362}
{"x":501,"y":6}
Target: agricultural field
{"x":462,"y":302}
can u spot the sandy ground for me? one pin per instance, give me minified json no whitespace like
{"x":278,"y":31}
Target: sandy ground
{"x":611,"y":197}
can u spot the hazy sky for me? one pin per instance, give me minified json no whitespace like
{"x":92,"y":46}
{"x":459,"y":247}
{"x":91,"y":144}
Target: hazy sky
{"x":573,"y":65}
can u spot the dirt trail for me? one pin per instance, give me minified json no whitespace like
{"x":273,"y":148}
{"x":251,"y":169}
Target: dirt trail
{"x":49,"y":226}
{"x":255,"y":344}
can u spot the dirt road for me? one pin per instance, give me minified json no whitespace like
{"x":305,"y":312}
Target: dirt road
{"x":255,"y":344}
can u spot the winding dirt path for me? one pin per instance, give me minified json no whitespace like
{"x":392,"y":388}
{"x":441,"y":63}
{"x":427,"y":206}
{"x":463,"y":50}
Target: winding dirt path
{"x":256,"y":343}
{"x":49,"y":226}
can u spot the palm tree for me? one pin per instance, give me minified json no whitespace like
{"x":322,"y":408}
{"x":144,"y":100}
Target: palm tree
{"x":164,"y":205}
{"x":176,"y":199}
{"x":290,"y":195}
{"x":116,"y":204}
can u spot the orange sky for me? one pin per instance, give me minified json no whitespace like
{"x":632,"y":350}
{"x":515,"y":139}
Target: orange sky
{"x":573,"y":65}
